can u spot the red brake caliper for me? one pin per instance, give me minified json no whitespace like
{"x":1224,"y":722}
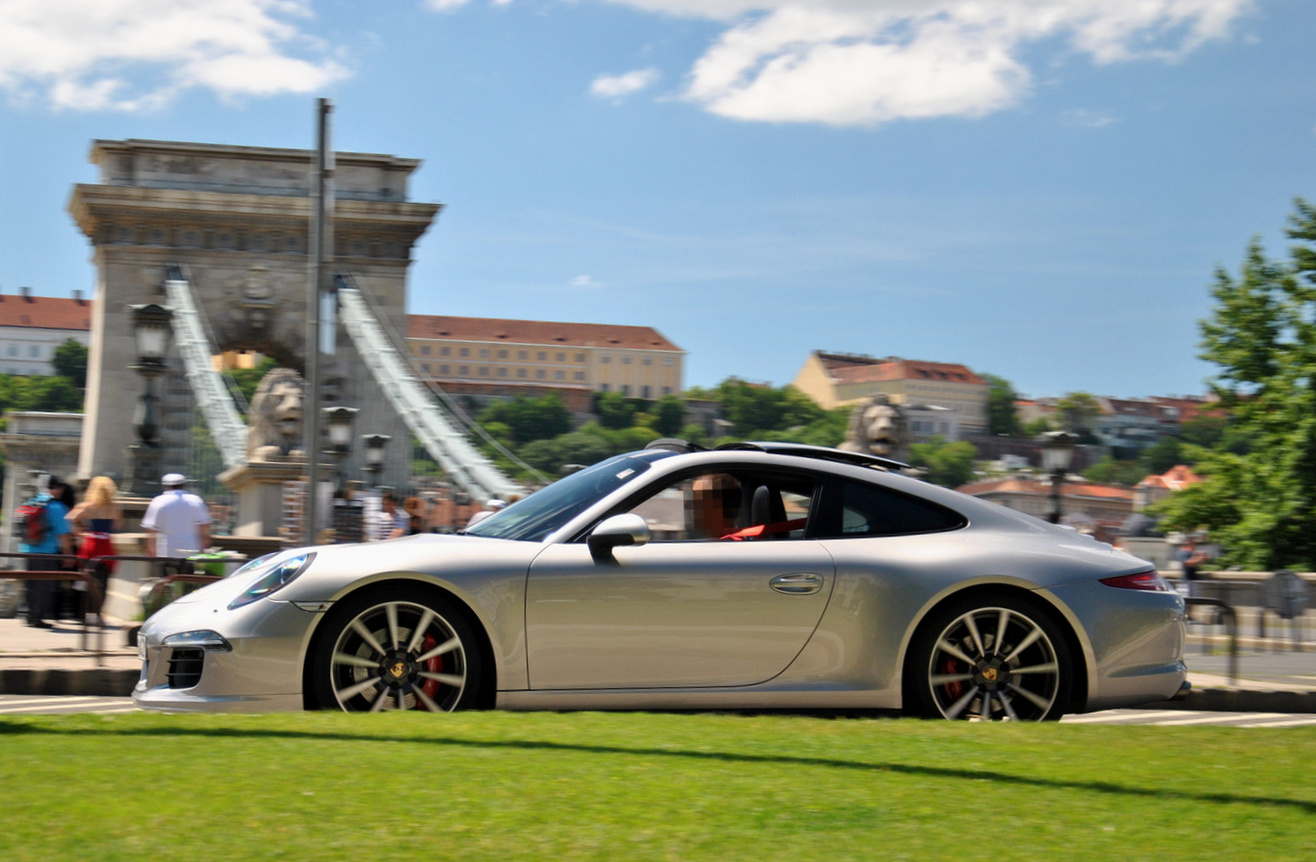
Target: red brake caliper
{"x":433,"y":665}
{"x":953,"y":689}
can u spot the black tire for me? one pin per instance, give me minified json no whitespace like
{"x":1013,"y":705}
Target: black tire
{"x":400,"y":647}
{"x":990,"y":658}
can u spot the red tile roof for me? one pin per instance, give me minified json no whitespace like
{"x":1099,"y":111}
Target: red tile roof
{"x":1038,"y":487}
{"x":904,"y":369}
{"x":1175,"y":479}
{"x":537,"y":332}
{"x":44,"y":312}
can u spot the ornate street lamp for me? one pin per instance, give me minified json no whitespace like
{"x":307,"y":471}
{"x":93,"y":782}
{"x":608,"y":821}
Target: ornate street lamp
{"x":1057,"y":457}
{"x":376,"y":446}
{"x":152,"y":333}
{"x":338,"y":424}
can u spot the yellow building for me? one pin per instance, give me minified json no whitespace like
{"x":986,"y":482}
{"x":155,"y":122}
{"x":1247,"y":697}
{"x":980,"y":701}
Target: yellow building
{"x":839,"y":379}
{"x":480,"y":355}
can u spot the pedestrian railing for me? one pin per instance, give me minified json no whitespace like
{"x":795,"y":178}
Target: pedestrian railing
{"x":94,"y":572}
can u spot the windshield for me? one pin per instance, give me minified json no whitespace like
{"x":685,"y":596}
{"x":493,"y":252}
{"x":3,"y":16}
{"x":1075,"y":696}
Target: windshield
{"x":538,"y":515}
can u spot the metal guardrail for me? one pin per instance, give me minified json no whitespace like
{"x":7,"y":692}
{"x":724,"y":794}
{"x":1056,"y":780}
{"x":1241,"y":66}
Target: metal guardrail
{"x":88,"y":571}
{"x":1231,"y":629}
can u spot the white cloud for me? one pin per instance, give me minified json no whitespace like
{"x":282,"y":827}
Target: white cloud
{"x":864,"y":62}
{"x":136,"y":54}
{"x":618,"y":87}
{"x":585,"y":281}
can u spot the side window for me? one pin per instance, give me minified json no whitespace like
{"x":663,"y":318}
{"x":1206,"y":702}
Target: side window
{"x":870,"y":510}
{"x":720,"y":505}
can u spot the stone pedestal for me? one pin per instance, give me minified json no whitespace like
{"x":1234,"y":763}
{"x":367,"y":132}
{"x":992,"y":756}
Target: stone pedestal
{"x":262,"y":492}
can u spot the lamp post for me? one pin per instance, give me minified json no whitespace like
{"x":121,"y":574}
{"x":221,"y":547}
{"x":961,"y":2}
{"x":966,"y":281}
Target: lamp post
{"x":376,"y":444}
{"x":338,"y":422}
{"x":152,"y":334}
{"x":1057,"y":456}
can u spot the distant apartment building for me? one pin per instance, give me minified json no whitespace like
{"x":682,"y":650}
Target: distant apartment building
{"x":1127,"y":425}
{"x":839,"y":379}
{"x":492,"y":356}
{"x":32,"y":327}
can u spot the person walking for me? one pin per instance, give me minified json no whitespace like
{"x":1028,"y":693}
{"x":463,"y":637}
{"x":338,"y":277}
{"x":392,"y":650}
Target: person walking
{"x":178,"y":522}
{"x":391,"y":522}
{"x":95,"y":520}
{"x":47,"y":533}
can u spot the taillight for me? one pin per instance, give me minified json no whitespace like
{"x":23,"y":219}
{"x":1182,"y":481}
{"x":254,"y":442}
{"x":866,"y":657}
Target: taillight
{"x":1150,"y":581}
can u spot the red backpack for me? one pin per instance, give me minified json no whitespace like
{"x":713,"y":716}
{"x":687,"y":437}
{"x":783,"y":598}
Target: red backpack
{"x":30,"y":523}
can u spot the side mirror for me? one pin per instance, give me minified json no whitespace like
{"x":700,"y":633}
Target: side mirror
{"x":614,"y":532}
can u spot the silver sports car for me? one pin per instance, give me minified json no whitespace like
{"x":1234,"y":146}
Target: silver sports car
{"x":757,"y":576}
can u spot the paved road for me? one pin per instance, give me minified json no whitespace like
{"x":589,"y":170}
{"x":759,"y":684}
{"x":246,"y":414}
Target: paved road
{"x":35,"y":705}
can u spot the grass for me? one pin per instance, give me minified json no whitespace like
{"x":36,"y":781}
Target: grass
{"x":645,"y":786}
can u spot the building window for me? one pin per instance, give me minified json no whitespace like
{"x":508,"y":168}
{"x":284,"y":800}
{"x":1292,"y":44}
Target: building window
{"x":520,"y":372}
{"x":445,"y":351}
{"x":502,"y":354}
{"x":443,"y":369}
{"x":34,"y":351}
{"x":667,"y":362}
{"x":424,"y":350}
{"x":648,"y":361}
{"x":484,"y":353}
{"x":425,"y":366}
{"x":667,"y":390}
{"x":543,"y":355}
{"x":626,"y":389}
{"x":603,"y":387}
{"x":463,"y":370}
{"x":522,"y":354}
{"x":606,"y":359}
{"x":502,"y":372}
{"x":541,"y":374}
{"x":559,"y":375}
{"x":580,"y":357}
{"x":645,"y":392}
{"x":580,"y":375}
{"x":13,"y":350}
{"x":465,"y":351}
{"x":625,"y":360}
{"x":484,"y":370}
{"x":561,"y":357}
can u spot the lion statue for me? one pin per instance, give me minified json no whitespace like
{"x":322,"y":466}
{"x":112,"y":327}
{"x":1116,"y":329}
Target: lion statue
{"x":275,"y":421}
{"x":877,"y":427}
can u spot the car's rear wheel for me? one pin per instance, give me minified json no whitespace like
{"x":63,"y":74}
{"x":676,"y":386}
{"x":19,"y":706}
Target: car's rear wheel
{"x":991,"y":659}
{"x":399,"y":649}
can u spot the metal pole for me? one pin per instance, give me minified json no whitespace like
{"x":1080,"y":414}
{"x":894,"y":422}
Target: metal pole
{"x":321,"y":264}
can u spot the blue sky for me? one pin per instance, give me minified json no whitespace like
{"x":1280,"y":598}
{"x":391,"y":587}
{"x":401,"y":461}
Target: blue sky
{"x":1038,"y":189}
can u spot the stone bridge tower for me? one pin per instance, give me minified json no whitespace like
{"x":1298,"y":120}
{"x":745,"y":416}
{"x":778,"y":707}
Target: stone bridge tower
{"x":237,"y":220}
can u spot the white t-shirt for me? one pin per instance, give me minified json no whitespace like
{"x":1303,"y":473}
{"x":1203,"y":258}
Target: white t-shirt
{"x":177,"y":517}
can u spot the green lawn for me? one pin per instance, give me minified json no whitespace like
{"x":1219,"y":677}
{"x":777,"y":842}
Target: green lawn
{"x":645,"y":786}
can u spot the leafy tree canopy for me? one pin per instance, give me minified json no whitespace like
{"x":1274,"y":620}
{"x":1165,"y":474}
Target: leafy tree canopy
{"x":1260,"y":504}
{"x":947,"y":464}
{"x":1002,"y":415}
{"x":70,"y":360}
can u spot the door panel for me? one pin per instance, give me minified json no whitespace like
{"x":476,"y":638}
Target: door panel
{"x":673,"y":613}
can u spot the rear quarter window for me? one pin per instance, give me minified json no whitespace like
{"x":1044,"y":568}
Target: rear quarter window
{"x":869,"y":510}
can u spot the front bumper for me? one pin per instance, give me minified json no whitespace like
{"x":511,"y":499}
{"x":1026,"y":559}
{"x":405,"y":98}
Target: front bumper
{"x":257,"y":669}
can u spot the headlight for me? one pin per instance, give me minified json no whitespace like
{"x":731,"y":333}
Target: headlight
{"x":205,"y":639}
{"x":270,"y":574}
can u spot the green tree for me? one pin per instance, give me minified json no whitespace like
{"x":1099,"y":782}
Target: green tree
{"x":615,"y":410}
{"x":669,"y":415}
{"x":947,"y":464}
{"x":1112,"y":472}
{"x":1261,"y":504}
{"x":529,"y":419}
{"x":1002,"y":415}
{"x":70,"y":360}
{"x":1078,"y":413}
{"x":247,"y":379}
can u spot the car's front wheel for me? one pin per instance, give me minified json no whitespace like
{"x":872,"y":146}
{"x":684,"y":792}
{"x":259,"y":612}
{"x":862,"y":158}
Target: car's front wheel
{"x":991,"y":659}
{"x":397,"y":649}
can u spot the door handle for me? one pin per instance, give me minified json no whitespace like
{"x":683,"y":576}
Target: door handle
{"x":799,"y":584}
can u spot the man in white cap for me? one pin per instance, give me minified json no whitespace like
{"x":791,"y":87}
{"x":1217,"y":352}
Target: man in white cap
{"x":178,"y":521}
{"x":494,"y":505}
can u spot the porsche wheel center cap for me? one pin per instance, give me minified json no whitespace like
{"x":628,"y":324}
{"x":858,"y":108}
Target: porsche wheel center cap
{"x":992,"y":674}
{"x":396,"y":669}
